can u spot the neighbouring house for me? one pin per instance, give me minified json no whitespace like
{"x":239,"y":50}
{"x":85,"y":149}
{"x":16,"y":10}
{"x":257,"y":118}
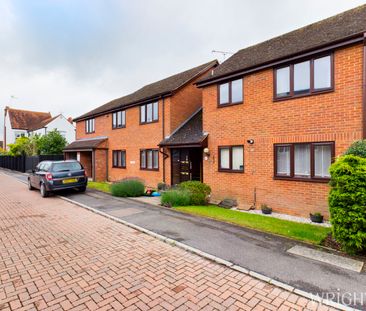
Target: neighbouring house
{"x":279,"y":112}
{"x":19,"y":123}
{"x":121,"y":138}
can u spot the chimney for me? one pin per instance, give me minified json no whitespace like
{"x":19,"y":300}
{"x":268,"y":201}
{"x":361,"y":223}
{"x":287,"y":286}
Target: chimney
{"x":70,"y":120}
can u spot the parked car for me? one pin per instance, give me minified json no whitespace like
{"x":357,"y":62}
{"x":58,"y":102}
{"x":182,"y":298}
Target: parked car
{"x":50,"y":176}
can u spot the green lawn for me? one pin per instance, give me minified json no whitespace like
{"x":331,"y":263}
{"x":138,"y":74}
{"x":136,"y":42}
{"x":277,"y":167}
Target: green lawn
{"x":294,"y":230}
{"x":101,"y":186}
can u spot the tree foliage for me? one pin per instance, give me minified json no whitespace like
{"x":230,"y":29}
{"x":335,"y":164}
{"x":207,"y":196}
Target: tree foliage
{"x":358,"y":148}
{"x":347,"y":202}
{"x":24,"y":146}
{"x":51,"y":143}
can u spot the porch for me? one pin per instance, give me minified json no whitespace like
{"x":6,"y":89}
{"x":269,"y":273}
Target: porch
{"x":92,"y":153}
{"x":185,"y":147}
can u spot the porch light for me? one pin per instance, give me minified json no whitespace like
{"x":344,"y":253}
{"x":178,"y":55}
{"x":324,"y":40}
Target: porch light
{"x":250,"y":141}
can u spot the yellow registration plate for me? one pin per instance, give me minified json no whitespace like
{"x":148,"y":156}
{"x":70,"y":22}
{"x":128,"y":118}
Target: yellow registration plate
{"x":69,"y":181}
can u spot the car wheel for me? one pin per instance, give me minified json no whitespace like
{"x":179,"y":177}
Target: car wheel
{"x":82,"y":189}
{"x":44,"y":192}
{"x":30,"y":187}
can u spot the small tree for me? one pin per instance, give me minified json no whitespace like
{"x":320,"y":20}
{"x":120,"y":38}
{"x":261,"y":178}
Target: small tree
{"x":347,"y":202}
{"x":24,"y":146}
{"x":51,"y":143}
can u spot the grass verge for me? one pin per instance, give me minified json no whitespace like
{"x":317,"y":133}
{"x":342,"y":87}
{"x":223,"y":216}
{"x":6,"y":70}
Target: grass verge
{"x":101,"y":186}
{"x":303,"y":232}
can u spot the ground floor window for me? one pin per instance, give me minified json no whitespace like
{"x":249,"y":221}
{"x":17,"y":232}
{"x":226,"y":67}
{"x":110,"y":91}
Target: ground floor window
{"x":149,"y":159}
{"x":231,"y":158}
{"x":119,"y":158}
{"x":309,"y":161}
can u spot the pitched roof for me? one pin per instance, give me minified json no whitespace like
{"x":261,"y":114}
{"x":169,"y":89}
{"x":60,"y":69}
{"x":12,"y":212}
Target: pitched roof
{"x":43,"y":123}
{"x":189,"y":133}
{"x":334,"y":29}
{"x":151,"y":91}
{"x":25,"y":119}
{"x":87,"y":143}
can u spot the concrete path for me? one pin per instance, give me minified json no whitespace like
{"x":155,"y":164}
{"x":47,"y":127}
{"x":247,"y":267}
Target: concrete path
{"x":58,"y":256}
{"x":259,"y":252}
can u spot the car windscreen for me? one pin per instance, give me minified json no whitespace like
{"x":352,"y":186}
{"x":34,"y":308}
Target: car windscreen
{"x":66,"y":166}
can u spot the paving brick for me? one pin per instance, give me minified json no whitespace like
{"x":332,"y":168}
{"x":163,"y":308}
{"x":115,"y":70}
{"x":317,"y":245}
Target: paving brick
{"x":107,"y":266}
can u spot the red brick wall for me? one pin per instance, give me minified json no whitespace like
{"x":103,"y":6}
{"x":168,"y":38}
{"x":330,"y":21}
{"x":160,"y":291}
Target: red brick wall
{"x":100,"y":169}
{"x":334,"y":116}
{"x":86,"y":161}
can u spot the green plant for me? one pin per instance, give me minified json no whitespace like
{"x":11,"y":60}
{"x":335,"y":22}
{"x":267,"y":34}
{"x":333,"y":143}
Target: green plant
{"x":358,"y":148}
{"x":198,"y":190}
{"x":51,"y":143}
{"x":162,"y":186}
{"x":347,"y":202}
{"x":24,"y":146}
{"x":176,"y":197}
{"x":128,"y":188}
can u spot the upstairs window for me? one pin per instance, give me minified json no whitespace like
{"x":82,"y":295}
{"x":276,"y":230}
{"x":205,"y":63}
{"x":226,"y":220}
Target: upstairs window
{"x":307,"y":161}
{"x":230,"y":93}
{"x":90,"y":126}
{"x":149,"y":113}
{"x":119,"y":158}
{"x":119,"y":119}
{"x":149,"y":159}
{"x":304,"y":78}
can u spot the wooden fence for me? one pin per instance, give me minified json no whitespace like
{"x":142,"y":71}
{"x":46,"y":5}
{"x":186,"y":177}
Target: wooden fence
{"x":26,"y":163}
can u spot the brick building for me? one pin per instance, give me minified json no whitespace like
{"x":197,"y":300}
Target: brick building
{"x":277,"y":113}
{"x":121,"y":138}
{"x":262,"y":128}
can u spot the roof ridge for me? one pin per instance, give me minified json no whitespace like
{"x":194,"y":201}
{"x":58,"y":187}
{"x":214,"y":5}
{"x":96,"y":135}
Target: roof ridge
{"x":25,"y":110}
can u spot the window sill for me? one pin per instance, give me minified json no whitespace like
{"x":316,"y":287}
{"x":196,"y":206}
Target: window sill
{"x":229,"y":104}
{"x":230,"y":171}
{"x":325,"y":91}
{"x":314,"y":179}
{"x":144,"y":123}
{"x":149,"y":169}
{"x":119,"y":127}
{"x":89,"y":132}
{"x":123,"y":167}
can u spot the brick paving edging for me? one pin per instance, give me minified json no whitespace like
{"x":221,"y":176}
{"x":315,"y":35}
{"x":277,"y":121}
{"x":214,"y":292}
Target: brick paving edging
{"x":215,"y":259}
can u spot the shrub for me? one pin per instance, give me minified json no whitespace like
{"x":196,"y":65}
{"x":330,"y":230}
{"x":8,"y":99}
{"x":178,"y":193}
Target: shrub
{"x":176,"y":198}
{"x":347,"y":202}
{"x":358,"y":148}
{"x":128,"y":188}
{"x":198,"y":190}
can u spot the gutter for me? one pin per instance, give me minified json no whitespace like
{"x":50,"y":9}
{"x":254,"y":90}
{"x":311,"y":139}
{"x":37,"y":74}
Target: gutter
{"x":320,"y":49}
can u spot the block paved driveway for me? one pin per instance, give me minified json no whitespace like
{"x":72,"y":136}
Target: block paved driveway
{"x":58,"y":256}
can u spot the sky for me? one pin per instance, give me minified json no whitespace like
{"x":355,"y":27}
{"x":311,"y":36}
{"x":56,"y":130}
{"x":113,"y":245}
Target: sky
{"x":71,"y":56}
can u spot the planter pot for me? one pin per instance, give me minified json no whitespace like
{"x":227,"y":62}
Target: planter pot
{"x":317,"y":218}
{"x":267,"y":211}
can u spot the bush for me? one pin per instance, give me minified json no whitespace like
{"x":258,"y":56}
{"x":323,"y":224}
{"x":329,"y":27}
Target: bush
{"x":128,"y":188}
{"x":198,"y":190}
{"x":358,"y":148}
{"x":176,"y":198}
{"x":347,"y":202}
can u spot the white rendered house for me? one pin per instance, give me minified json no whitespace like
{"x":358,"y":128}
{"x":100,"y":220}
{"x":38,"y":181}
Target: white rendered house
{"x":19,"y":123}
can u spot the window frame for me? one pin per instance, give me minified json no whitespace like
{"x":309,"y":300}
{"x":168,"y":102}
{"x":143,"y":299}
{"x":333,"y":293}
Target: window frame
{"x":230,"y":103}
{"x":152,"y":112}
{"x":312,"y":90}
{"x":292,"y":176}
{"x":119,"y":153}
{"x":116,"y":113}
{"x":229,"y":170}
{"x":87,"y":126}
{"x":153,"y":168}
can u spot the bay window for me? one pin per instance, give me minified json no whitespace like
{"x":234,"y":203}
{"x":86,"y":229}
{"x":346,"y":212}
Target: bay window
{"x":303,"y":161}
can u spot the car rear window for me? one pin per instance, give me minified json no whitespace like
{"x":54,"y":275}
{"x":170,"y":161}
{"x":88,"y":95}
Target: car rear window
{"x":66,"y":166}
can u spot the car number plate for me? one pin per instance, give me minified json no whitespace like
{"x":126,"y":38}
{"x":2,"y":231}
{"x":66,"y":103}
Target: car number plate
{"x":69,"y":181}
